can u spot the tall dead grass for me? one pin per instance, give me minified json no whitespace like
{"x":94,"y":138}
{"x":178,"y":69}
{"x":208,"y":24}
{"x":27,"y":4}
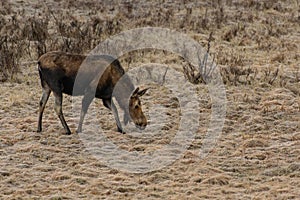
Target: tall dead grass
{"x":25,"y":36}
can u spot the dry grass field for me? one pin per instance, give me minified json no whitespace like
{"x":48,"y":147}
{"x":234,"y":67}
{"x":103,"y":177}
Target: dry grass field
{"x":255,"y":43}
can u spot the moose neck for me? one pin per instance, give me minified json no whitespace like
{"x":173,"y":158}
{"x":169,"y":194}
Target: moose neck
{"x":123,"y":90}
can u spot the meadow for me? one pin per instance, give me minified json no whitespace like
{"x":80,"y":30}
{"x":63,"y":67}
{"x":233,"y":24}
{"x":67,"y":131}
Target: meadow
{"x":256,"y":45}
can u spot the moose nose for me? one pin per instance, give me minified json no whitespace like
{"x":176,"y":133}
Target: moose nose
{"x":141,"y":125}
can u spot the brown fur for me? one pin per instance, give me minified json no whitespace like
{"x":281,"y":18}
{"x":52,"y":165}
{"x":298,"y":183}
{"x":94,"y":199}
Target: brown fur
{"x":58,"y":72}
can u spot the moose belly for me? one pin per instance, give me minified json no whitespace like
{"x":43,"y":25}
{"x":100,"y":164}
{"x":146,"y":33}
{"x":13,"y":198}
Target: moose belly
{"x":68,"y":86}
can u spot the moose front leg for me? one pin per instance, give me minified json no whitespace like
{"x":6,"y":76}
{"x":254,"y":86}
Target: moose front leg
{"x":86,"y":101}
{"x":110,"y":105}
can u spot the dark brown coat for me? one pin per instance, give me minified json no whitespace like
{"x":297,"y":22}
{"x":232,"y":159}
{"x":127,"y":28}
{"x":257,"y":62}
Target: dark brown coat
{"x":90,"y":76}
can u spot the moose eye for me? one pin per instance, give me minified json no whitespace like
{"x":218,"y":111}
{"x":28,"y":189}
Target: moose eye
{"x":136,"y":106}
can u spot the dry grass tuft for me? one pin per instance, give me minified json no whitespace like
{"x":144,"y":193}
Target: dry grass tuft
{"x":217,"y":180}
{"x":252,"y":143}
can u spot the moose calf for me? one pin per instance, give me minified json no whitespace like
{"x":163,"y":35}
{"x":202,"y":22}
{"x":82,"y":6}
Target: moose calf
{"x":58,"y":72}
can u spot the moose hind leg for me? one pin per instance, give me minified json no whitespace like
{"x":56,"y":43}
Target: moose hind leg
{"x":86,"y":101}
{"x":42,"y":104}
{"x":58,"y":110}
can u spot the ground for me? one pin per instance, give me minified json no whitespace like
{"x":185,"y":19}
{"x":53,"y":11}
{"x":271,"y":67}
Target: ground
{"x":256,"y":46}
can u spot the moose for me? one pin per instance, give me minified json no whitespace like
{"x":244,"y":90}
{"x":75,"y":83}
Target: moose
{"x":58,"y":72}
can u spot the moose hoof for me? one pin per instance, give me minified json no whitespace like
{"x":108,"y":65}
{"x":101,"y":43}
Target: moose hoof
{"x":121,"y":131}
{"x":78,"y":131}
{"x":68,"y":132}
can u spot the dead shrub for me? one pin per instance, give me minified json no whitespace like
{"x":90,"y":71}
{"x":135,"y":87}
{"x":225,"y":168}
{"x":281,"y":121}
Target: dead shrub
{"x":12,"y":46}
{"x":9,"y":59}
{"x":270,"y":75}
{"x":206,"y":67}
{"x":236,"y":75}
{"x":36,"y":30}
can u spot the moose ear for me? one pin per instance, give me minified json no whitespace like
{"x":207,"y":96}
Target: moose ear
{"x":139,"y":93}
{"x":135,"y":93}
{"x":142,"y":92}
